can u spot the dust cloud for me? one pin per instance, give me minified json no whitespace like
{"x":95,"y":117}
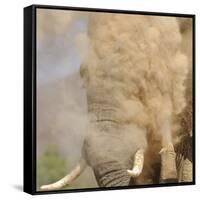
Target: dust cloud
{"x":138,"y":62}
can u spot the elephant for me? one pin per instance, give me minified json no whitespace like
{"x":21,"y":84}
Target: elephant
{"x":127,"y":152}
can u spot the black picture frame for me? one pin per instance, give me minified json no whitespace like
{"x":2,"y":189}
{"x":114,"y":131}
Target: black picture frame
{"x":30,"y":92}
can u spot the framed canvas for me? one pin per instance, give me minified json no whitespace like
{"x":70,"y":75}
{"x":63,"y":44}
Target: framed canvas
{"x":109,"y":99}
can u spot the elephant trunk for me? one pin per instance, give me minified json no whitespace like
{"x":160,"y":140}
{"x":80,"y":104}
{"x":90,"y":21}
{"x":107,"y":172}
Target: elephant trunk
{"x":112,"y":174}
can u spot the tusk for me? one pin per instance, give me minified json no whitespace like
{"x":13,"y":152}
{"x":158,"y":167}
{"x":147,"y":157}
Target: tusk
{"x":186,"y":171}
{"x":168,"y":163}
{"x":138,"y":164}
{"x":68,"y":179}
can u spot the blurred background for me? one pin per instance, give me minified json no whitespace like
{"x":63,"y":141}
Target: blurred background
{"x":61,"y":98}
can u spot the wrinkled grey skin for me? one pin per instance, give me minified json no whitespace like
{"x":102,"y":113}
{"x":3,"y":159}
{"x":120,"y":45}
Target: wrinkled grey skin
{"x":104,"y":148}
{"x":110,"y":151}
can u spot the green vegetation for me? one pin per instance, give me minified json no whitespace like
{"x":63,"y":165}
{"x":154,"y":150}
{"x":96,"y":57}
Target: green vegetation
{"x":52,"y":166}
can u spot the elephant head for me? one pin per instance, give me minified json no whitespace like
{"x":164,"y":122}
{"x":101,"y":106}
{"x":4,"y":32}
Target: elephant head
{"x":109,"y":148}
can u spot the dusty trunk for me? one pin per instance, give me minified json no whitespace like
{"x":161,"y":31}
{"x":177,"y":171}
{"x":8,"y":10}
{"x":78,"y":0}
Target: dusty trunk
{"x":112,"y":174}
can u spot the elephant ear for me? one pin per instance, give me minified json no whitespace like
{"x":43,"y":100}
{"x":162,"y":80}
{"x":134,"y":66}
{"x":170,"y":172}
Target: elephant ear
{"x":184,"y":159}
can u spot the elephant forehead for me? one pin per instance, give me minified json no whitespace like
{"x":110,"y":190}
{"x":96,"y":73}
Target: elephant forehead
{"x":119,"y":145}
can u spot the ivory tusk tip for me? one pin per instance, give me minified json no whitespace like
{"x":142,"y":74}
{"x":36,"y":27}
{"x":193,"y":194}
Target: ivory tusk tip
{"x":161,"y":151}
{"x":44,"y":187}
{"x":130,"y":172}
{"x":169,"y":147}
{"x":134,"y":173}
{"x":67,"y":179}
